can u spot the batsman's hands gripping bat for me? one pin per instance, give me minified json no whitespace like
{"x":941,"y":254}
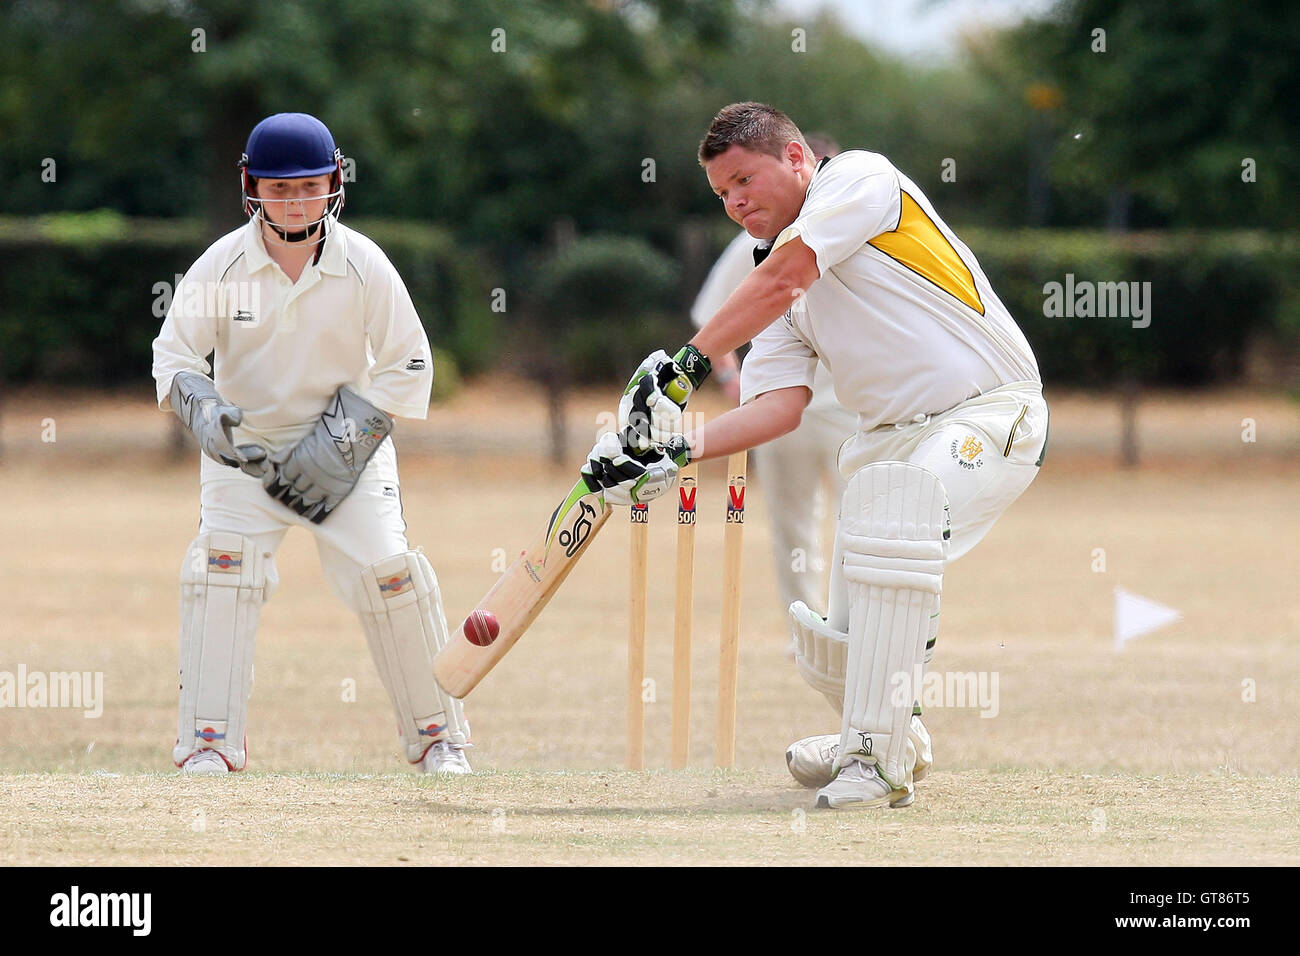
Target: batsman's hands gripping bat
{"x":628,"y":478}
{"x":322,"y":469}
{"x":650,"y":412}
{"x":197,"y":403}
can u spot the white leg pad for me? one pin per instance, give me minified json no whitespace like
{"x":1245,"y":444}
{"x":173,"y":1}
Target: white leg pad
{"x":405,"y":627}
{"x":222,"y":587}
{"x":820,"y":653}
{"x":892,"y":537}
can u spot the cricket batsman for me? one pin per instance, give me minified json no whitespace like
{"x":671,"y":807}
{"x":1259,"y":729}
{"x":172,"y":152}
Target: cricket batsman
{"x":316,"y":349}
{"x":863,"y":277}
{"x":799,"y":473}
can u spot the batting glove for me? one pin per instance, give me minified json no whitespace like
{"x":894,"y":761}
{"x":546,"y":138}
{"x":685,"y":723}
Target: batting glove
{"x":650,"y":412}
{"x":629,"y":478}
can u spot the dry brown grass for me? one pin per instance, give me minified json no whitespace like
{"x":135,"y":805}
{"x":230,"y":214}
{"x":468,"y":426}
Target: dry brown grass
{"x":1160,"y":737}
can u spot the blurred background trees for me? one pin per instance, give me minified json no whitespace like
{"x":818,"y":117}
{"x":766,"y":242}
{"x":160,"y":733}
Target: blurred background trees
{"x":476,"y":127}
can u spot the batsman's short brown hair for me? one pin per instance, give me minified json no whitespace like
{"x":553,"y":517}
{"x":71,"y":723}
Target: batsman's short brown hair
{"x":756,"y":126}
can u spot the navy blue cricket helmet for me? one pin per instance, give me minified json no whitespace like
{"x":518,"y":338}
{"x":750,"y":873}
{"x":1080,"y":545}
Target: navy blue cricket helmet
{"x":291,"y":146}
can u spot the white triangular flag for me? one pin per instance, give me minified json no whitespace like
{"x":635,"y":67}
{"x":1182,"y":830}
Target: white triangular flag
{"x":1136,"y":615}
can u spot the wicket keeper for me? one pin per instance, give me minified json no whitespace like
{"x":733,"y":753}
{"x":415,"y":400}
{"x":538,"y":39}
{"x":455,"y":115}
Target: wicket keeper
{"x":316,"y":348}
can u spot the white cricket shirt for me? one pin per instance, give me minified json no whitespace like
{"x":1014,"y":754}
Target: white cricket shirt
{"x":282,"y":348}
{"x":736,"y":262}
{"x":902,"y":315}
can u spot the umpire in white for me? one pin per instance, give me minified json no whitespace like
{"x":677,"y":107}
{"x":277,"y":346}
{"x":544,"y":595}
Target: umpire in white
{"x":316,"y":347}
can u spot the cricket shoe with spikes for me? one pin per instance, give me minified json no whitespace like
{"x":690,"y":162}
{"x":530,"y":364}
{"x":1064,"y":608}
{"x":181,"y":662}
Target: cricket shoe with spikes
{"x":860,"y":785}
{"x":445,"y":757}
{"x":206,"y":762}
{"x":812,"y":760}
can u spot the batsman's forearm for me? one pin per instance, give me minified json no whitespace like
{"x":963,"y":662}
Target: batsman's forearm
{"x":759,"y":300}
{"x":769,"y":416}
{"x":755,"y":305}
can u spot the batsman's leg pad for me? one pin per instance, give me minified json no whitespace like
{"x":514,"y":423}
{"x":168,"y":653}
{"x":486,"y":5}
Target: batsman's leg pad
{"x":222,"y":590}
{"x":892,"y":536}
{"x":820,"y":653}
{"x":918,"y":739}
{"x":405,"y":627}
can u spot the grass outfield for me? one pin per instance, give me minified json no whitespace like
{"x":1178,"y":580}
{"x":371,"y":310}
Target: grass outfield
{"x":1179,"y":749}
{"x":683,"y":818}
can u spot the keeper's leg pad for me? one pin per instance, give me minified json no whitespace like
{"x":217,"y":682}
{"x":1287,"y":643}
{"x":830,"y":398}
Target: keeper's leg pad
{"x":405,"y":627}
{"x":820,"y":653}
{"x":892,"y":534}
{"x":222,"y":589}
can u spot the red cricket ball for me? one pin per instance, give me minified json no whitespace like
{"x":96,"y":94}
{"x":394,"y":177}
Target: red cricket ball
{"x":481,"y":628}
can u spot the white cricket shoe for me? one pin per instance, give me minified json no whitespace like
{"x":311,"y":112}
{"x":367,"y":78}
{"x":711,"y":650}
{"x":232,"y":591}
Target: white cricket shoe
{"x":205,"y":761}
{"x":445,"y":757}
{"x":812,"y":759}
{"x":861,"y":785}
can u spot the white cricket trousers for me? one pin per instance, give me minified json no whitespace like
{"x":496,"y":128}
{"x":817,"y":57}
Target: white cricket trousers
{"x":985,"y":451}
{"x":367,"y":527}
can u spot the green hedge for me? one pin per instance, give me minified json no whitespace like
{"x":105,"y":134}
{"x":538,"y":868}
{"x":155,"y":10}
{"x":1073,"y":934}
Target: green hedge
{"x":78,"y":292}
{"x":1212,"y":297}
{"x":602,"y":303}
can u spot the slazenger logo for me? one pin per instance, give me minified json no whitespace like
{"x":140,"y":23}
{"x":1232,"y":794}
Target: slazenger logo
{"x":415,"y":365}
{"x":75,"y":908}
{"x":244,"y":316}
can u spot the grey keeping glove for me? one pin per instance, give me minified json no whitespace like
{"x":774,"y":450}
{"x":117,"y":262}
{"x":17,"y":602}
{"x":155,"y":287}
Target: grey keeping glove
{"x":322,"y":469}
{"x":210,"y":417}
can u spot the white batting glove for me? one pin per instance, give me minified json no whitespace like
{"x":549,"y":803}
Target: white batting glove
{"x":650,"y":411}
{"x":628,"y":479}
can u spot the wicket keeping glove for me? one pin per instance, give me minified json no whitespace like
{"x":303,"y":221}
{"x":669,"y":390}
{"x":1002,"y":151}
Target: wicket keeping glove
{"x":322,"y":469}
{"x":630,"y":478}
{"x":198,"y":404}
{"x":650,"y":412}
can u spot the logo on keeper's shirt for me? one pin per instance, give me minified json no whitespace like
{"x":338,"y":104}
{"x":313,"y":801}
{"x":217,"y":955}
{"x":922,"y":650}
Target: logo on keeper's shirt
{"x":415,"y":365}
{"x":967,"y":453}
{"x":245,"y":317}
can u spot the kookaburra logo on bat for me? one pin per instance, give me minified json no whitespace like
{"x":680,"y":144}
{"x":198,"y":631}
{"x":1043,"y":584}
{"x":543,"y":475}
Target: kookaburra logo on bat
{"x":572,"y":538}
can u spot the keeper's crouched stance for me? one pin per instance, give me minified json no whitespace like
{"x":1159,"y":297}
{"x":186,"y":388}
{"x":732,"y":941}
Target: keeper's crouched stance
{"x":229,"y":571}
{"x":316,"y":348}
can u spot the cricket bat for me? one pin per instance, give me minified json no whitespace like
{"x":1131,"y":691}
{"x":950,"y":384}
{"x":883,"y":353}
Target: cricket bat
{"x":523,"y":590}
